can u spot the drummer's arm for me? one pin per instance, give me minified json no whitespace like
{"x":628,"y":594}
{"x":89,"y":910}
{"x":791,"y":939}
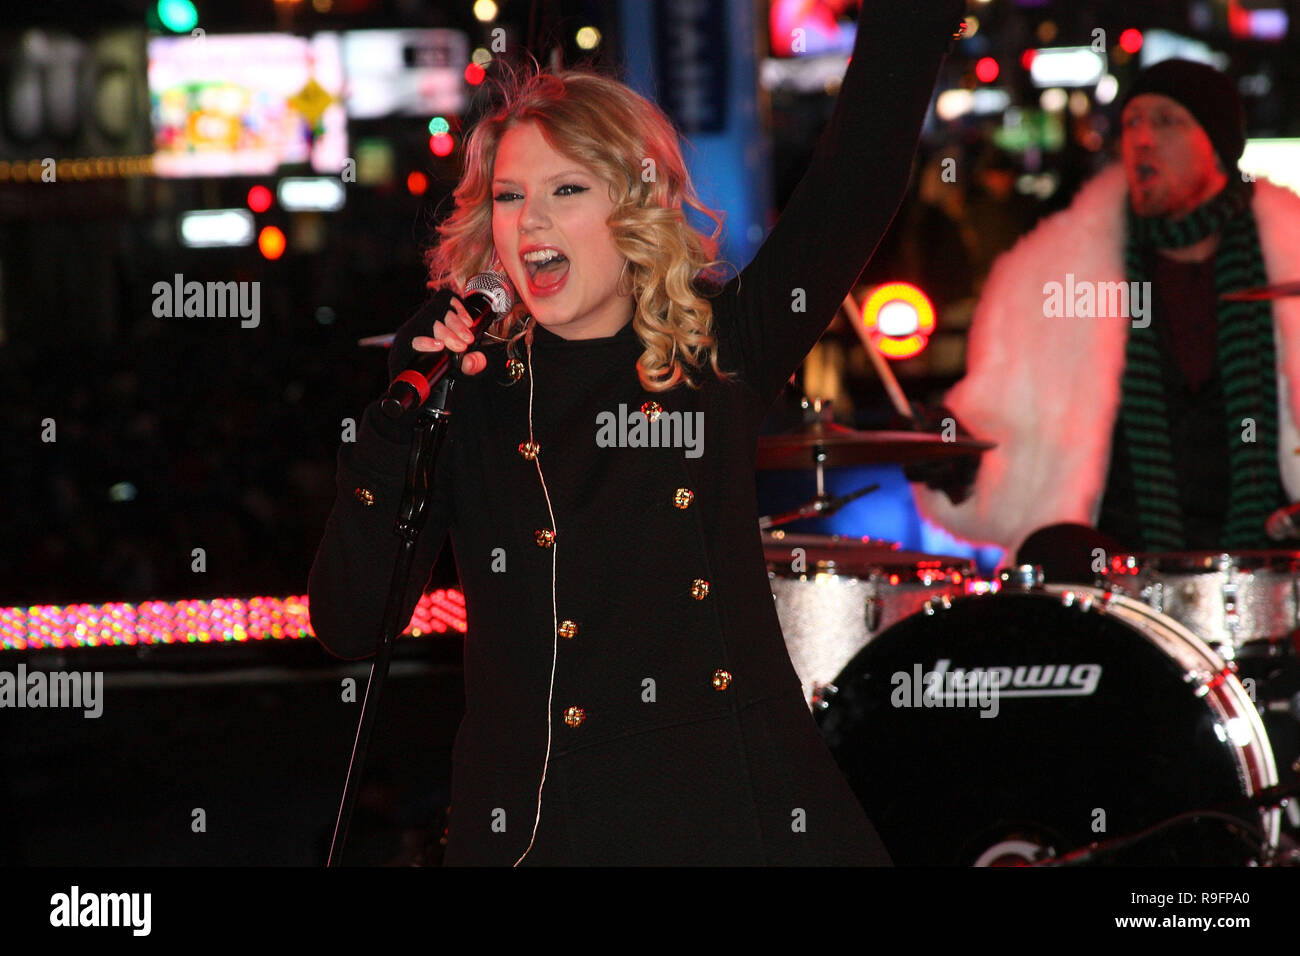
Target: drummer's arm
{"x":955,"y":477}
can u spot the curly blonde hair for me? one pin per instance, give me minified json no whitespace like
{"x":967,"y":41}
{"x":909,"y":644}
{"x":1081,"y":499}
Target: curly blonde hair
{"x":629,"y":143}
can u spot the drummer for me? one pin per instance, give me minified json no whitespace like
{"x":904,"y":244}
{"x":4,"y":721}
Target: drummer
{"x":1133,"y":408}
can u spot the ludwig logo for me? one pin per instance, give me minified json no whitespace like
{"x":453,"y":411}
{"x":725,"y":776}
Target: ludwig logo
{"x":1040,"y":680}
{"x":983,"y":687}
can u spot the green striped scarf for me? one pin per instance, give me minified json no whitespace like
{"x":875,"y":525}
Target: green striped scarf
{"x":1247,"y":363}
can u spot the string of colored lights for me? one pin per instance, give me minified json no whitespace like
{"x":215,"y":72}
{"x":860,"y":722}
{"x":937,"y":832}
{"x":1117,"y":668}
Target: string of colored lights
{"x":222,"y":620}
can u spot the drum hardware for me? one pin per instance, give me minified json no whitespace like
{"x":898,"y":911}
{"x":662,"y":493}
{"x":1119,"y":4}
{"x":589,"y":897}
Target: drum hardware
{"x":1154,"y":595}
{"x":1022,"y":578}
{"x":820,"y":505}
{"x":873,"y":610}
{"x":1231,"y":620}
{"x":822,"y":694}
{"x":1252,"y":838}
{"x":1202,"y":679}
{"x":944,"y":601}
{"x":1082,"y":601}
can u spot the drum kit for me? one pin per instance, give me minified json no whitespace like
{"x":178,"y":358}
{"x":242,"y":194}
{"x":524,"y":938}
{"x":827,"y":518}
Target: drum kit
{"x":1149,"y":716}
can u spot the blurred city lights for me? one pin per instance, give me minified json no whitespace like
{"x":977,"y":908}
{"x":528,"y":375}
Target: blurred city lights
{"x":210,"y":228}
{"x":1067,"y":66}
{"x":1107,"y":88}
{"x":1054,"y":100}
{"x":312,"y":194}
{"x":271,"y":242}
{"x":259,"y":199}
{"x":441,"y":144}
{"x":899,"y":318}
{"x":953,"y":104}
{"x":179,"y":16}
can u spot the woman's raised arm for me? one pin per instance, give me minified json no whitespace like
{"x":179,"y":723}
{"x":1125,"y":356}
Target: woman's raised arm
{"x":775,"y":310}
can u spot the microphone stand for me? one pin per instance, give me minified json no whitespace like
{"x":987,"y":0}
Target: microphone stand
{"x":429,"y":431}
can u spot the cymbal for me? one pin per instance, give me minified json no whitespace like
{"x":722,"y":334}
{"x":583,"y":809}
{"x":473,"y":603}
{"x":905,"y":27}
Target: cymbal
{"x":847,"y":553}
{"x":1263,"y":293}
{"x":838,"y":446}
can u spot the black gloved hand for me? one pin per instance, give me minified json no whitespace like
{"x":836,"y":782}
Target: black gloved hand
{"x":400,"y":356}
{"x":955,"y":477}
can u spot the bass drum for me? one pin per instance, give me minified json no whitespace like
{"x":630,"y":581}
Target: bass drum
{"x":1005,"y":728}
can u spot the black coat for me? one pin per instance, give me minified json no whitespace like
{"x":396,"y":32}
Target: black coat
{"x":694,"y":744}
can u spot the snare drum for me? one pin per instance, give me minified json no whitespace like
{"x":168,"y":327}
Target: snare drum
{"x":1228,"y":600}
{"x":834,"y":594}
{"x":1003,"y":728}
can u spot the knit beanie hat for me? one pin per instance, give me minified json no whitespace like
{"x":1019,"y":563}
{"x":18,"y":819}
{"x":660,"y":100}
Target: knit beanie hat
{"x":1205,"y":93}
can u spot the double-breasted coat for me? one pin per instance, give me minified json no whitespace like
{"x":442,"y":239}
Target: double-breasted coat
{"x":627,"y":662}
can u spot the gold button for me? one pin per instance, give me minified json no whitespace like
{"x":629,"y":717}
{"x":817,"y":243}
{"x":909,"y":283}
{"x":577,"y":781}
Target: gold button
{"x":568,"y":629}
{"x":545,"y":538}
{"x":683,"y":497}
{"x":529,"y":449}
{"x":365,"y":496}
{"x":515,"y":369}
{"x":651,"y":410}
{"x":574,"y":716}
{"x":721,"y":679}
{"x":699,"y":589}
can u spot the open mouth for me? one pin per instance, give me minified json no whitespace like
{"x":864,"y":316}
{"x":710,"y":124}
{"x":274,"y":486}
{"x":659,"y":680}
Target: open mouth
{"x":1146,"y":172}
{"x":546,"y":267}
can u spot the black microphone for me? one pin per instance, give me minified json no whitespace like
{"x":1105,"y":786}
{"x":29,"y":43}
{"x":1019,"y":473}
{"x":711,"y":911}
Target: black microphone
{"x":487,"y":294}
{"x":1281,"y":525}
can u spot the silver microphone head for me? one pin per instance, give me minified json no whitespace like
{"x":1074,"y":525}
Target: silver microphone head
{"x":496,"y":286}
